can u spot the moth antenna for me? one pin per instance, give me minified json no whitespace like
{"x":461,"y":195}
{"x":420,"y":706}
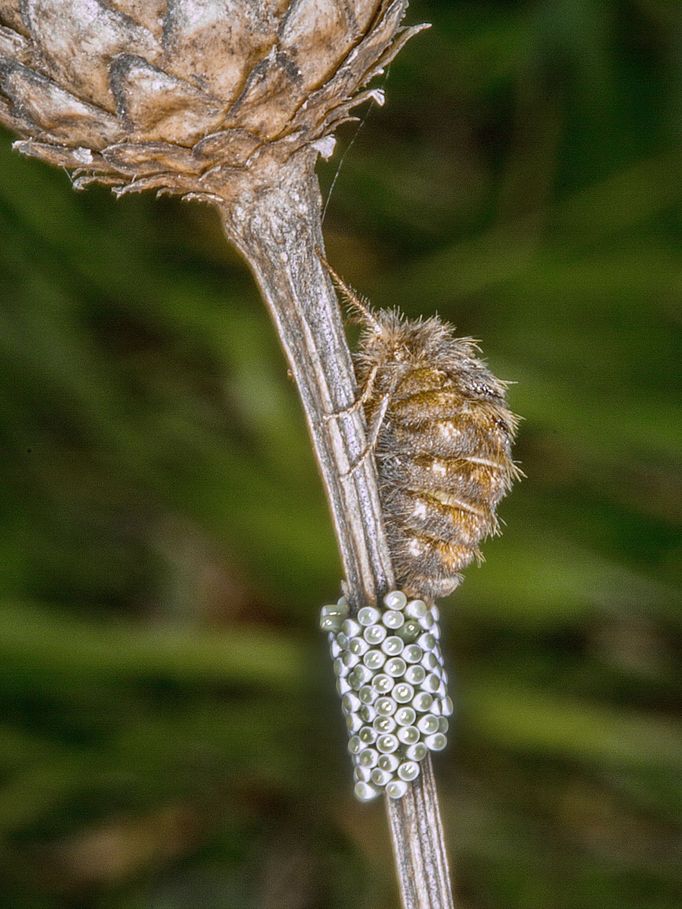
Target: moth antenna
{"x":354,"y":300}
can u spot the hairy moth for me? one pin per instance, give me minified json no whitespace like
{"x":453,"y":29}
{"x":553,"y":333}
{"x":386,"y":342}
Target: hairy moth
{"x":442,"y":433}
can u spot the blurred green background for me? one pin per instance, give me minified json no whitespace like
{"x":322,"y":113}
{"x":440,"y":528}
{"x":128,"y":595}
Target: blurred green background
{"x":170,"y":736}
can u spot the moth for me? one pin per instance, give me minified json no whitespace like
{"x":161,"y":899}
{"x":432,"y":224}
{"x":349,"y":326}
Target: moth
{"x":441,"y":432}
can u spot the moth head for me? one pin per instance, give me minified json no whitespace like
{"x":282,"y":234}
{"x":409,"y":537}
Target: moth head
{"x":388,"y":337}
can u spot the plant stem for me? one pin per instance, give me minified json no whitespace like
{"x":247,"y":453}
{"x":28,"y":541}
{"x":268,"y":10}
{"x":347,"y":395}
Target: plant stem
{"x":276,"y":224}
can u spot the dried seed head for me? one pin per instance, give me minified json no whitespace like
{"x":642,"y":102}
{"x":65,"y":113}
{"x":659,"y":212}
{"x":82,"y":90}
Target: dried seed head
{"x":442,"y":435}
{"x":181,"y":94}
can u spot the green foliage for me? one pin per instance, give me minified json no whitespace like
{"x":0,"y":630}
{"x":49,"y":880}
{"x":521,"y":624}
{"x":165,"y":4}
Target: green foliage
{"x":170,"y":736}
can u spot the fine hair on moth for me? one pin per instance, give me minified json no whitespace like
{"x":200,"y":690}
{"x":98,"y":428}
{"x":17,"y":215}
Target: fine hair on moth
{"x":441,"y":432}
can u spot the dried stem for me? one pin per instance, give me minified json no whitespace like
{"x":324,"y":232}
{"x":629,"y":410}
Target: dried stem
{"x":276,"y":224}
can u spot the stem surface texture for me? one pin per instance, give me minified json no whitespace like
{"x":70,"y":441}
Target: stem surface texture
{"x":276,"y":224}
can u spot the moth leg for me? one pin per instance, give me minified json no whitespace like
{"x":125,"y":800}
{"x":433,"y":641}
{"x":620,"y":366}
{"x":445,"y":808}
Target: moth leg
{"x":357,"y":303}
{"x":374,"y":429}
{"x":359,"y":402}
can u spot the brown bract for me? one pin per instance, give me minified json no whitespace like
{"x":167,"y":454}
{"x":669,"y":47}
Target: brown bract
{"x":181,"y":95}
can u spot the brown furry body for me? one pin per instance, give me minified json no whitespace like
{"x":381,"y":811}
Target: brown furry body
{"x":442,"y":438}
{"x":441,"y":431}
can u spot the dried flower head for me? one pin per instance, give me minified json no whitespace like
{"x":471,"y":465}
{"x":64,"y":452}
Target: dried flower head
{"x":442,"y":433}
{"x":181,"y":94}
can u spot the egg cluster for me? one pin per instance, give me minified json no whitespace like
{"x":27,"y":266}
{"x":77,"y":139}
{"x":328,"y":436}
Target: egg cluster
{"x":392,"y":682}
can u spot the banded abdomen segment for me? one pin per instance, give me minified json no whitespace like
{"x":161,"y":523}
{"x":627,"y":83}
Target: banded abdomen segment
{"x":444,"y":460}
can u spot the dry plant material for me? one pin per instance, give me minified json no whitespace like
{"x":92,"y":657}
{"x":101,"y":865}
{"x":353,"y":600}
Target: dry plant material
{"x":182,"y":95}
{"x":231,"y":102}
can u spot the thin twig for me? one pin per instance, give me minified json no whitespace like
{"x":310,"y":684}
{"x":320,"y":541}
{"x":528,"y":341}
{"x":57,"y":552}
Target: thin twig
{"x":277,"y":227}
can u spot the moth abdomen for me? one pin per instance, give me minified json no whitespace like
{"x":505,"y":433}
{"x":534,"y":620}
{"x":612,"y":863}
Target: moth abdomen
{"x":426,"y":515}
{"x":450,"y":480}
{"x":443,"y":447}
{"x":441,"y":432}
